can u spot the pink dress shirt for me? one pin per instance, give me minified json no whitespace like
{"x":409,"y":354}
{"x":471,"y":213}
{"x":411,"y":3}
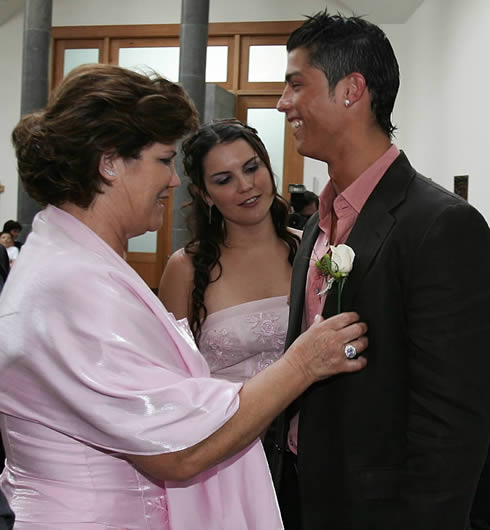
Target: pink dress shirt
{"x":346,"y":206}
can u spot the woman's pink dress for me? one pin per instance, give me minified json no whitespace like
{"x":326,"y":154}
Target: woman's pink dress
{"x":93,"y":367}
{"x":240,"y":341}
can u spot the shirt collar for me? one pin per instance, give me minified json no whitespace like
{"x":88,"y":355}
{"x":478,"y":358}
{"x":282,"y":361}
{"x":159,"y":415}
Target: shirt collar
{"x":359,"y":191}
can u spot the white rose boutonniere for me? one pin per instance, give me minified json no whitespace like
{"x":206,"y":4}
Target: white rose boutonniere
{"x":336,"y":265}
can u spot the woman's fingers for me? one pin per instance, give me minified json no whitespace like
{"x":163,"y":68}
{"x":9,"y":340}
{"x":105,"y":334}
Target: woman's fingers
{"x":354,"y":365}
{"x":338,"y":321}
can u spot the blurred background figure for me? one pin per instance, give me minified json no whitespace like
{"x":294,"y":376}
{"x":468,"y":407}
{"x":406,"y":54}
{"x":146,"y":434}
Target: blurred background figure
{"x":7,"y":241}
{"x":14,"y":228}
{"x":304,"y":204}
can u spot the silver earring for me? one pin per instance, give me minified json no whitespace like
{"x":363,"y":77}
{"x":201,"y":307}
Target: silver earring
{"x":110,"y":172}
{"x":346,"y":102}
{"x":210,"y":213}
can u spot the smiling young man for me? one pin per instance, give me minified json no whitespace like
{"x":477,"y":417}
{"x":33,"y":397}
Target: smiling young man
{"x":401,"y":444}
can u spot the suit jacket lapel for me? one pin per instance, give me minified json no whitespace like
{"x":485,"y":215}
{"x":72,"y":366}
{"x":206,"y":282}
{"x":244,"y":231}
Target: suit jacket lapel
{"x":371,"y":229}
{"x":298,"y":280}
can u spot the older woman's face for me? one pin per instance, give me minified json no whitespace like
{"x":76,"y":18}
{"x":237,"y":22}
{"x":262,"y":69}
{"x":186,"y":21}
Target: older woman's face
{"x":145,"y":184}
{"x":6,"y":240}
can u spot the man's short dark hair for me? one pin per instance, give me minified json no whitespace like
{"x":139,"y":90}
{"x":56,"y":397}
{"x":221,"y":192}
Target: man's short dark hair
{"x":340,"y":45}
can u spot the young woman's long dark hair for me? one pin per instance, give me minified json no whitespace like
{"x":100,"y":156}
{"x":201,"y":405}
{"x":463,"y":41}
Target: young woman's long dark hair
{"x":208,"y":230}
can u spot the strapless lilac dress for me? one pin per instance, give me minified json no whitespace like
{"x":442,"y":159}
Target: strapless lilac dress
{"x":240,"y":341}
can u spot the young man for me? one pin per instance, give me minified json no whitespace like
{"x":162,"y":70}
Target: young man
{"x":401,"y":444}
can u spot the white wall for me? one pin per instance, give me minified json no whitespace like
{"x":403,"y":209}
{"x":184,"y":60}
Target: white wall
{"x":11,"y":64}
{"x":445,"y":94}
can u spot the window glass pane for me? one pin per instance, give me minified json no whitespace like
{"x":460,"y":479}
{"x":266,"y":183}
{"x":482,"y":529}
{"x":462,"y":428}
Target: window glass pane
{"x":217,"y":64}
{"x":267,"y":63}
{"x":145,"y":243}
{"x":164,"y":60}
{"x":270,"y":126}
{"x":76,"y":57}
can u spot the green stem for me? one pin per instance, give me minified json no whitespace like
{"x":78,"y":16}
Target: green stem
{"x":340,"y":287}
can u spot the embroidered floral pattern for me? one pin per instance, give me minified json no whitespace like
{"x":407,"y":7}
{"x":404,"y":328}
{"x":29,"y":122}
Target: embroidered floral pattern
{"x":246,"y":340}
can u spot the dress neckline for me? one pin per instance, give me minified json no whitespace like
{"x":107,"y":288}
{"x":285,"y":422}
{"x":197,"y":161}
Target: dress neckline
{"x":270,"y":301}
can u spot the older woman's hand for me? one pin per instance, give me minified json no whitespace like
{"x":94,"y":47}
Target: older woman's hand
{"x":320,"y":351}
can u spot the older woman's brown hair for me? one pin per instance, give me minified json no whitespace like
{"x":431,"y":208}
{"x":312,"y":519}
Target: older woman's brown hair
{"x":98,"y":109}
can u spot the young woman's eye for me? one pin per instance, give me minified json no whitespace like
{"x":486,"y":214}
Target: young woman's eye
{"x":223,"y":180}
{"x":252,"y":168}
{"x":166,"y":161}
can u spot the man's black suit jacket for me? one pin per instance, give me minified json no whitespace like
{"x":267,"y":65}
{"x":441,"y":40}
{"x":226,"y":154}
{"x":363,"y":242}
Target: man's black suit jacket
{"x":400,"y":445}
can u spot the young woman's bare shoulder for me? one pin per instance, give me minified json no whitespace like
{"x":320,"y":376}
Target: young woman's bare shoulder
{"x":176,"y":283}
{"x":180,"y":262}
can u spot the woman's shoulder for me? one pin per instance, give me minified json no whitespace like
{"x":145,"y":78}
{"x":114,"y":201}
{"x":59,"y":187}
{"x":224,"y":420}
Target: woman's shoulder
{"x":180,"y":258}
{"x":176,"y":283}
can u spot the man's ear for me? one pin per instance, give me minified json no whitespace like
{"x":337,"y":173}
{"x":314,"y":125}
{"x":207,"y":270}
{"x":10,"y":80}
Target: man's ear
{"x":354,"y":87}
{"x":107,"y":166}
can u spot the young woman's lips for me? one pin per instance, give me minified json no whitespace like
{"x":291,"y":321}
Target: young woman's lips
{"x":249,"y":203}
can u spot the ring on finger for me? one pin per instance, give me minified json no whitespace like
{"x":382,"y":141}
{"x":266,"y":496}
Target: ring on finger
{"x":350,"y":351}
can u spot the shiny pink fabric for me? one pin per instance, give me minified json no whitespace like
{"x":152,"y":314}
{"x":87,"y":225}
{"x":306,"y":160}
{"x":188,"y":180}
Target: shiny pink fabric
{"x":91,"y":366}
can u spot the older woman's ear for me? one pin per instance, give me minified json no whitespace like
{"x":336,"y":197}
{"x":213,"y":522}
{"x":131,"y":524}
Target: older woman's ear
{"x":107,"y":166}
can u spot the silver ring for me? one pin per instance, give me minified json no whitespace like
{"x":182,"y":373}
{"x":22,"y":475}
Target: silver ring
{"x":350,"y":351}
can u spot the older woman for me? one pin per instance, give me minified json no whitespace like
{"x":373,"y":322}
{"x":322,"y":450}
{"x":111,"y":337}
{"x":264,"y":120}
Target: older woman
{"x":109,"y":416}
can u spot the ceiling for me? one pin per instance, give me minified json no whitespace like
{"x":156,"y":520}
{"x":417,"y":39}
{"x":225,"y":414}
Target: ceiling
{"x":383,"y":11}
{"x":378,"y":11}
{"x":9,"y":8}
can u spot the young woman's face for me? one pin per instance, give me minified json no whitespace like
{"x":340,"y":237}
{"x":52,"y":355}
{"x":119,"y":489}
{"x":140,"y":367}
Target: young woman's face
{"x":238,"y":183}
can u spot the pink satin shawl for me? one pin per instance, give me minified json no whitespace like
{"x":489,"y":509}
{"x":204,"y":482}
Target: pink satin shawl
{"x":88,"y":350}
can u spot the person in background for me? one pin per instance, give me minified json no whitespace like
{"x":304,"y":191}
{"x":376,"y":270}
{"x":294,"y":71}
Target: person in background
{"x":108,"y":413}
{"x":14,"y":228}
{"x":401,"y":444}
{"x":232,"y":279}
{"x":7,"y":241}
{"x":304,"y":206}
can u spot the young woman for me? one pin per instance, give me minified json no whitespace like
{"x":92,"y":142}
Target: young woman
{"x":232,"y":279}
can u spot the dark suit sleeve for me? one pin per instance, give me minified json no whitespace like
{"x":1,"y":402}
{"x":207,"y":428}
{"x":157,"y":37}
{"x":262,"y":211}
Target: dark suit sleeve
{"x":448,"y":319}
{"x":6,"y":514}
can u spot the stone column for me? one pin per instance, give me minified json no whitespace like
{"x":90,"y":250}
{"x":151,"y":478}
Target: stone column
{"x":35,"y":84}
{"x":192,"y":75}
